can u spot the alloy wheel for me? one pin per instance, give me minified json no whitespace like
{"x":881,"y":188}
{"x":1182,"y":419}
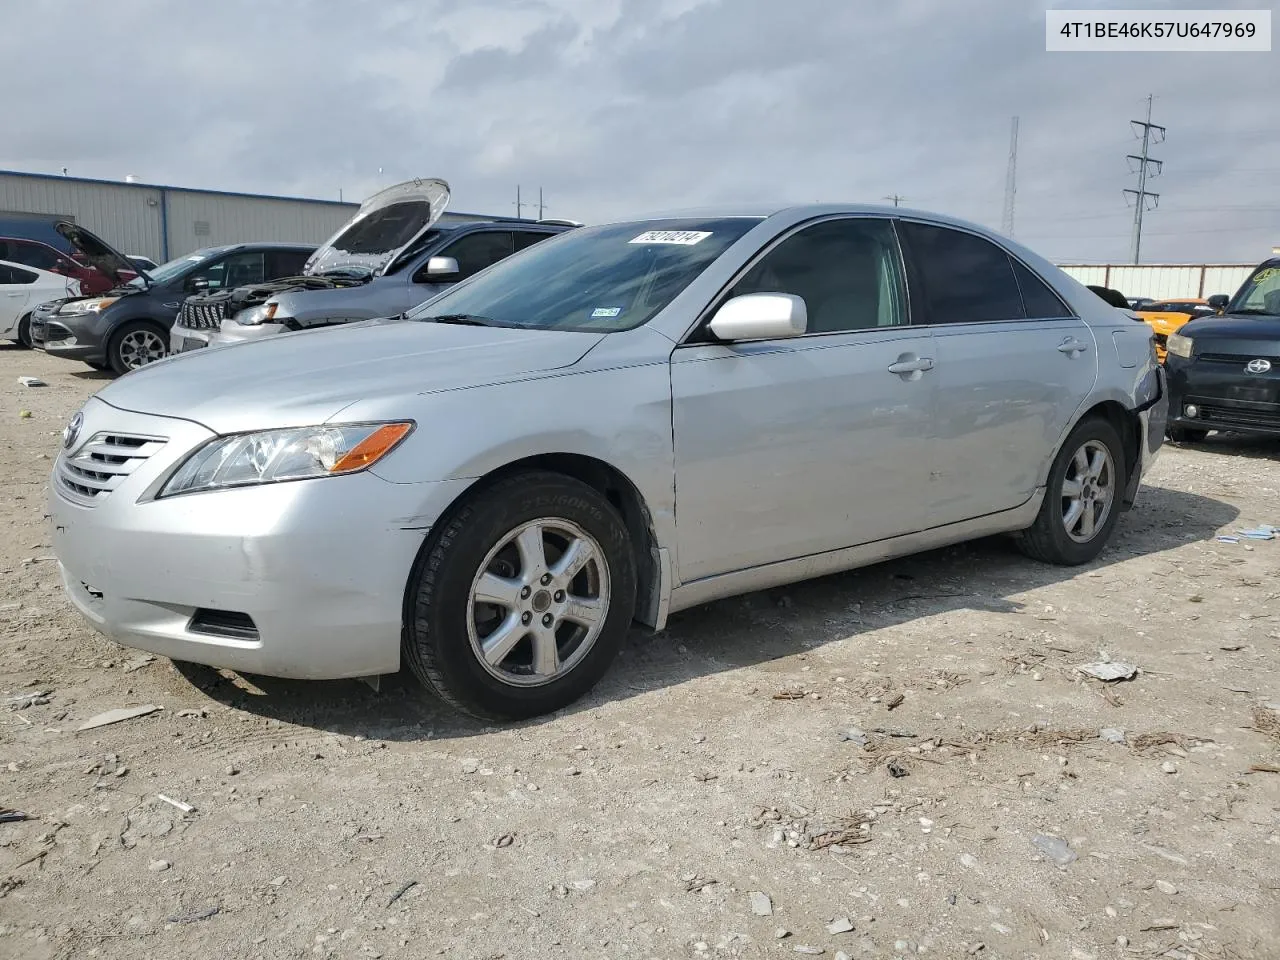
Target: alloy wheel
{"x":140,"y":347}
{"x":1088,"y":491}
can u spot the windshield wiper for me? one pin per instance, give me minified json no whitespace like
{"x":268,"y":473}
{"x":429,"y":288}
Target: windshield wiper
{"x":467,"y":320}
{"x":1251,"y":311}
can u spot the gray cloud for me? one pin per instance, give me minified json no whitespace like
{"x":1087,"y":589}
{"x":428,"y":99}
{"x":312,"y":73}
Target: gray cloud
{"x":620,"y":106}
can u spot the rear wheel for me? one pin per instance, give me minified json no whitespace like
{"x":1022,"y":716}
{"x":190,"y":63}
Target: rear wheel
{"x":523,"y":598}
{"x":135,"y":345}
{"x":1082,"y":503}
{"x":1187,"y":435}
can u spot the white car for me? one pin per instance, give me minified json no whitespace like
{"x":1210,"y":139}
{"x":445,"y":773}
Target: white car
{"x":23,"y":288}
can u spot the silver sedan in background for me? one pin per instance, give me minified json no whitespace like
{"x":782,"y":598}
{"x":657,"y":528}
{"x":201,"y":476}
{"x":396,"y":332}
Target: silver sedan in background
{"x":613,"y":425}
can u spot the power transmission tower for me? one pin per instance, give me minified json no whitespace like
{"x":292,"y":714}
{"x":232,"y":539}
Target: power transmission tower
{"x":895,"y":198}
{"x":1151,"y":133}
{"x":1010,"y":182}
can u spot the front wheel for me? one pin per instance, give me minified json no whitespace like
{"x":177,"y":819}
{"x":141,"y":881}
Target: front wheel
{"x":1082,"y":503}
{"x":24,"y":331}
{"x":522,"y":599}
{"x":135,"y":345}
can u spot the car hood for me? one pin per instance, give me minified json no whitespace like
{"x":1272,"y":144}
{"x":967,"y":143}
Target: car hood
{"x":384,"y":225}
{"x":1253,"y":328}
{"x":100,"y":254}
{"x":303,"y":378}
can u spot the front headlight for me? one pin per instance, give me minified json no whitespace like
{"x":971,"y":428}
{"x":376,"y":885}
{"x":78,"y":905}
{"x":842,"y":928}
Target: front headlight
{"x":1179,"y":346}
{"x":273,"y":456}
{"x":256,"y":315}
{"x":88,"y":306}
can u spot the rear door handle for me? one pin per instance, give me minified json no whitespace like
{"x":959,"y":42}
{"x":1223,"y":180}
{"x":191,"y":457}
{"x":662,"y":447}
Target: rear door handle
{"x":1072,"y":345}
{"x":908,"y":364}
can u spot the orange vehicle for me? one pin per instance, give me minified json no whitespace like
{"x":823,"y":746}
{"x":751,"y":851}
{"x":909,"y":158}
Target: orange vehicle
{"x":1166,"y":316}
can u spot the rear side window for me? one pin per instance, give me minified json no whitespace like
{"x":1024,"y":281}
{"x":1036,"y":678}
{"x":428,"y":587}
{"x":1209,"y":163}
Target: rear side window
{"x":286,"y":263}
{"x":963,"y":278}
{"x":1039,"y":300}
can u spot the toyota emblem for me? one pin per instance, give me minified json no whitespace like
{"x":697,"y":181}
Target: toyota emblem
{"x":72,"y":430}
{"x":1258,"y":366}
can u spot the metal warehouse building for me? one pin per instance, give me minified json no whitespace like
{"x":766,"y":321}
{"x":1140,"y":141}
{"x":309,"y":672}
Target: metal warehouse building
{"x":1163,"y":281}
{"x":163,"y":222}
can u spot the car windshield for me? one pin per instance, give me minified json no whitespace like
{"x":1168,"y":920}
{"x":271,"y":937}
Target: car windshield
{"x":174,"y":268}
{"x":1260,"y":293}
{"x":598,"y":279}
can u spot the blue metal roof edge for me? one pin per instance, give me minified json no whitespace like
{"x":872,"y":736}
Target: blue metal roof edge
{"x":225,"y":193}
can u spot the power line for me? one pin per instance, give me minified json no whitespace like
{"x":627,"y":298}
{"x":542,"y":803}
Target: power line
{"x":1149,"y":131}
{"x":895,"y":198}
{"x":1010,"y":182}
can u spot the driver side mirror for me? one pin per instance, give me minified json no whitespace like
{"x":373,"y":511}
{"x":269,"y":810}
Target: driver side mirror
{"x":442,"y":267}
{"x":761,"y":316}
{"x":1219,"y":302}
{"x":198,"y":285}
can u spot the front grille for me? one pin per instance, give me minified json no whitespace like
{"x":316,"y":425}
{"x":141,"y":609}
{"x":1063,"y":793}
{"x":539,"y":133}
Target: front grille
{"x":201,"y":316}
{"x":1240,"y":417}
{"x":223,"y":623}
{"x":102,"y":464}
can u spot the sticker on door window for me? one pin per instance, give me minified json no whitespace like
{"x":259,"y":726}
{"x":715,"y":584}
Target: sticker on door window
{"x":606,"y":311}
{"x":684,"y":238}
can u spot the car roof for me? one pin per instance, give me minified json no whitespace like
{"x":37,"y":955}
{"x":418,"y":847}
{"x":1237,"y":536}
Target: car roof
{"x":267,"y":245}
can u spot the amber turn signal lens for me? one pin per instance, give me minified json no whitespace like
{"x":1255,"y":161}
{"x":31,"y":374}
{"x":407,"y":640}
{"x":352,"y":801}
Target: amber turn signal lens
{"x":372,"y":448}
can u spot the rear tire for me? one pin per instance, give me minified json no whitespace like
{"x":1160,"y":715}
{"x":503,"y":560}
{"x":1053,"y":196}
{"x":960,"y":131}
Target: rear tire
{"x":521,"y":600}
{"x":1083,"y":498}
{"x":97,"y":365}
{"x":136,"y":344}
{"x":1187,"y":435}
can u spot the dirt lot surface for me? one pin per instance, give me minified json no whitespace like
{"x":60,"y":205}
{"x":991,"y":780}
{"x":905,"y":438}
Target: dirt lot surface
{"x":897,"y":761}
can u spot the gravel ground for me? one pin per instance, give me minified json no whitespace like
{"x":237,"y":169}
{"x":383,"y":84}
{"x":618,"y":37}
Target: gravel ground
{"x":901,"y":760}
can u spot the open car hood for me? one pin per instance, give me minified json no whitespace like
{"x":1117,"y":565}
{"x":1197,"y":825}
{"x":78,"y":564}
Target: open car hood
{"x":384,"y":225}
{"x":100,"y":254}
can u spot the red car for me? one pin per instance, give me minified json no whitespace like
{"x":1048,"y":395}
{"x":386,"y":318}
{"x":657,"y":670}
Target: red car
{"x":33,"y":253}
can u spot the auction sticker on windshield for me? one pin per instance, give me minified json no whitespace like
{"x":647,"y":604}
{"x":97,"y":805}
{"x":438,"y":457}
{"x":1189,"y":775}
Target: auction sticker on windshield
{"x":684,"y":238}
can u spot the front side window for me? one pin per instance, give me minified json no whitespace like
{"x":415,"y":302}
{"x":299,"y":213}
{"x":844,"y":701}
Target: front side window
{"x":237,"y":270}
{"x":15,"y":275}
{"x":846,"y":271}
{"x":964,"y":278}
{"x":599,"y":279}
{"x":476,"y":251}
{"x":285,"y":263}
{"x":1260,"y":293}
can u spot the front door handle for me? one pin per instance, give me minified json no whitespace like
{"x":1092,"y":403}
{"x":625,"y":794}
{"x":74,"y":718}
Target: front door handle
{"x":1072,"y":346}
{"x":907,"y":363}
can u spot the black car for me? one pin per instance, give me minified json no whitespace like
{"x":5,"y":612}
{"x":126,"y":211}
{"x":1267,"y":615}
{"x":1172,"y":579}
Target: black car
{"x":128,"y":326}
{"x":1224,"y":372}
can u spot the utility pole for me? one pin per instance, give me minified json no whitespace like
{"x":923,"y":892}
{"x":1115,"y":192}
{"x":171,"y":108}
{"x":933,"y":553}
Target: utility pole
{"x":540,"y":204}
{"x":1151,"y":133}
{"x":519,"y":205}
{"x":895,"y":198}
{"x":1010,"y":182}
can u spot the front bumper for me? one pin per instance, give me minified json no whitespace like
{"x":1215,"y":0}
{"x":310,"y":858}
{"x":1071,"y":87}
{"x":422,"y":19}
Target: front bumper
{"x":71,"y":336}
{"x":1225,"y":395}
{"x":184,"y":339}
{"x":303,"y":579}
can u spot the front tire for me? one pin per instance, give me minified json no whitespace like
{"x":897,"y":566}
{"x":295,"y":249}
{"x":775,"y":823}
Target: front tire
{"x":136,"y":344}
{"x":522,"y":599}
{"x":1082,"y":503}
{"x":24,"y":331}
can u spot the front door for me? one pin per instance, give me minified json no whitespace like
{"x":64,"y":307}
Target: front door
{"x":793,"y":447}
{"x":15,"y":290}
{"x":1013,"y":368}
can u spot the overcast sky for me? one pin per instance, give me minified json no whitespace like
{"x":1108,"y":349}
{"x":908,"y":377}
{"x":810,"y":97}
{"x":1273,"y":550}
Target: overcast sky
{"x":616,"y":107}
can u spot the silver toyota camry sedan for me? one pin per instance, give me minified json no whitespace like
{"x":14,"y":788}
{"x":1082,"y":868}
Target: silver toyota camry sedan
{"x":613,"y":425}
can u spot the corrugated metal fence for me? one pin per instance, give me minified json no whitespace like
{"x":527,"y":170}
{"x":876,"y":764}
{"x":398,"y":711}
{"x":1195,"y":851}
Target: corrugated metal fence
{"x":1162,"y":281}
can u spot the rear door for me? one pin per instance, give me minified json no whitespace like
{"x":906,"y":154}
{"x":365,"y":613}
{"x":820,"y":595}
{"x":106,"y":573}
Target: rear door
{"x":1013,"y":368}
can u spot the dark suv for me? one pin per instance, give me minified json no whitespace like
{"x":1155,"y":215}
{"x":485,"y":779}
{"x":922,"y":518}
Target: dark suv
{"x":128,"y":327}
